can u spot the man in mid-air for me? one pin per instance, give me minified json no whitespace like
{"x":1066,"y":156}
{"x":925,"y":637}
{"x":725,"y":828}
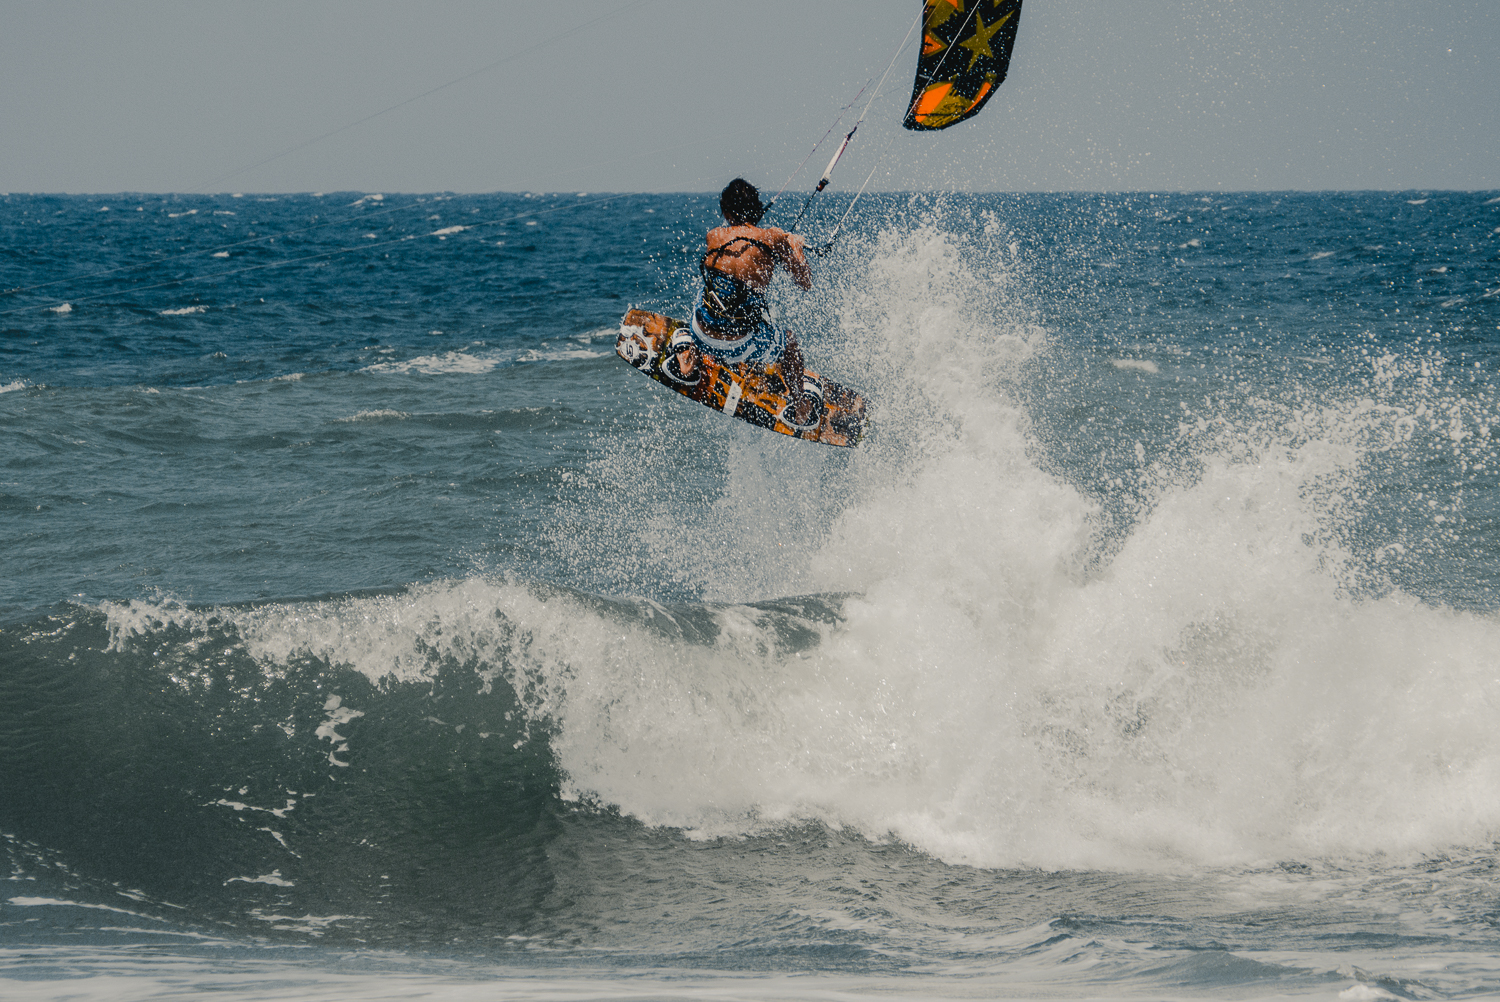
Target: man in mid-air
{"x":730,"y":320}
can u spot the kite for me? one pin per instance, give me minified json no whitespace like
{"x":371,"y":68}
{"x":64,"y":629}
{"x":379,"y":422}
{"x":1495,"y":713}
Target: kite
{"x":966,"y":47}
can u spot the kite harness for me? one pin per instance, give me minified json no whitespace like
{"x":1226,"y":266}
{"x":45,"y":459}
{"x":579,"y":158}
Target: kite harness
{"x":731,"y":320}
{"x":730,"y":304}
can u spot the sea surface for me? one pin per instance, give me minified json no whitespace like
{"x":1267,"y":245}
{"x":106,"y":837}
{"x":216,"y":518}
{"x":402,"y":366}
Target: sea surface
{"x":369,"y":630}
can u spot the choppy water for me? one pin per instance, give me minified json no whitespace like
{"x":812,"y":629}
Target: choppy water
{"x":367,"y":629}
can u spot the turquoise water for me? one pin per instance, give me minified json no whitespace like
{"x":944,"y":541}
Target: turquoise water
{"x":368,"y":629}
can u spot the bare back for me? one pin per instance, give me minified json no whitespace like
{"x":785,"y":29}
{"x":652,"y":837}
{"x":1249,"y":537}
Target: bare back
{"x":742,"y":252}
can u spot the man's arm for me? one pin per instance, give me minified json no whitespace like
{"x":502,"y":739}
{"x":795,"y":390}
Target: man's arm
{"x":790,"y":246}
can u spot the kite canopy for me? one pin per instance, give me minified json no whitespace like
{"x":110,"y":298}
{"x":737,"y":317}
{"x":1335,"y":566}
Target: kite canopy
{"x":966,"y":47}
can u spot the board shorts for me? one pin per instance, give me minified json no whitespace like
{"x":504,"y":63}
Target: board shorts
{"x":757,"y":342}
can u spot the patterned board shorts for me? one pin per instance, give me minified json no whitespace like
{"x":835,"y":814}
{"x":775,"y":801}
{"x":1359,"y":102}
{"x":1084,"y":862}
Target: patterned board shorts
{"x":762,"y":345}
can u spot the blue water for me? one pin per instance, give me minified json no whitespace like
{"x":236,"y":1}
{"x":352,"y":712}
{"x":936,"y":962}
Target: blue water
{"x":368,"y":629}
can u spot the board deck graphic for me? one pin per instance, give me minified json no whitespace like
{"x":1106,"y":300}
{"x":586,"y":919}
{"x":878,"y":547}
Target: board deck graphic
{"x":755,"y":395}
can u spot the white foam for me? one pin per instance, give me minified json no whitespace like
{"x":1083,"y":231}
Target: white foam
{"x":34,"y":902}
{"x":63,"y":308}
{"x":1212,"y":694}
{"x":274,"y":878}
{"x":559,"y":355}
{"x":336,"y":715}
{"x":1416,"y":201}
{"x":384,"y":414}
{"x":179,"y":215}
{"x":435,"y":365}
{"x":238,"y":806}
{"x":447,"y":230}
{"x":1143,"y":364}
{"x":280,"y":838}
{"x":183,"y":311}
{"x":308,"y":924}
{"x":19,"y":384}
{"x":1320,"y":255}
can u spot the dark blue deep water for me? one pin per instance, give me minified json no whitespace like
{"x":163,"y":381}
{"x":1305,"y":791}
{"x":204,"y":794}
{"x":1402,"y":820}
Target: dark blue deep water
{"x":367,"y":629}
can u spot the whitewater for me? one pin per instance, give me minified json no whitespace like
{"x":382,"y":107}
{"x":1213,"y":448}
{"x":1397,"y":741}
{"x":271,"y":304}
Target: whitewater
{"x":368,"y":629}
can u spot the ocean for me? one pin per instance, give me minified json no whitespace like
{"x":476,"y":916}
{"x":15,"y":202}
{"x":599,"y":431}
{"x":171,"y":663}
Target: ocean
{"x":369,"y":630}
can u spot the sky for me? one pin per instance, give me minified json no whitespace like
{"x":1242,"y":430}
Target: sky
{"x":681,"y":95}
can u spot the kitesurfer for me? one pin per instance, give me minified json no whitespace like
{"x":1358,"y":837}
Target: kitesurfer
{"x":730,"y":319}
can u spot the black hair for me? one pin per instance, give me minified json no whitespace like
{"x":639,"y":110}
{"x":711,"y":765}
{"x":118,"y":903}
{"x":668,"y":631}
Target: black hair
{"x":740,"y":203}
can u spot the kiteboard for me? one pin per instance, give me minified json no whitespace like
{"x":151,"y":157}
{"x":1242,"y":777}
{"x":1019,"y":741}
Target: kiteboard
{"x":758,"y":396}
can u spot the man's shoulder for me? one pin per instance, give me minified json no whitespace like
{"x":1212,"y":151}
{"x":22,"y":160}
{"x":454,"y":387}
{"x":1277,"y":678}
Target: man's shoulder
{"x":768,"y":235}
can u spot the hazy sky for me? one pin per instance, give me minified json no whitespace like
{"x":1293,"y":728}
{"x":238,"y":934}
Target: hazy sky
{"x":681,"y":95}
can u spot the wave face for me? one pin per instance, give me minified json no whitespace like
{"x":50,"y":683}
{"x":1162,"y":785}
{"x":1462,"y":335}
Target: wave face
{"x":1148,"y":644}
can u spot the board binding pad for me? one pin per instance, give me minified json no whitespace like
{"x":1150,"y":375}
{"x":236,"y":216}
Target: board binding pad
{"x":758,"y":396}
